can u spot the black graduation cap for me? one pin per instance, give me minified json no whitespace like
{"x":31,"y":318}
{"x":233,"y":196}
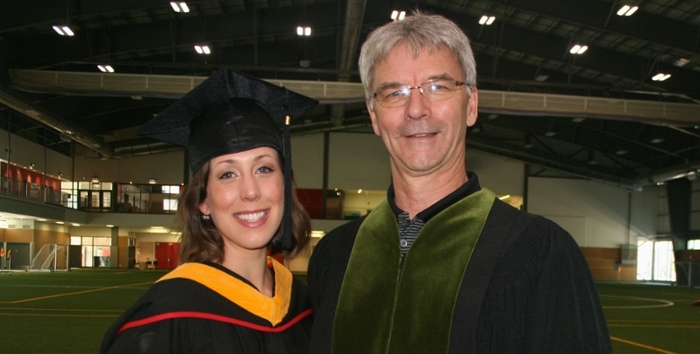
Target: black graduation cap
{"x":232,"y":112}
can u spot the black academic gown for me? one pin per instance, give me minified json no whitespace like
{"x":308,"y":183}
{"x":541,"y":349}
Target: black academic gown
{"x":526,"y":289}
{"x":205,"y":308}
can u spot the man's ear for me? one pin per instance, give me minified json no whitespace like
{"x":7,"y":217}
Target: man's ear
{"x":373,"y":117}
{"x":473,"y":108}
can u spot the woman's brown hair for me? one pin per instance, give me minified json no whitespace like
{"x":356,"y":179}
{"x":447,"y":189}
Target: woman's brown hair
{"x":201,"y":241}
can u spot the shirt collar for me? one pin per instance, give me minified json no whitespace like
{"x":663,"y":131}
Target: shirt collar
{"x":469,"y":187}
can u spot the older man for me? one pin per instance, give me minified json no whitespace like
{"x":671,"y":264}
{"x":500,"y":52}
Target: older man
{"x":443,"y":266}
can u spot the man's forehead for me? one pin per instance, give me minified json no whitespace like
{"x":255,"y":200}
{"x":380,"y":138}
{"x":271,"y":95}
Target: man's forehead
{"x":395,"y":67}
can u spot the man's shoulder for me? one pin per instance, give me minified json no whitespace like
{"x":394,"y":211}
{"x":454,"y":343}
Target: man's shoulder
{"x":342,"y":234}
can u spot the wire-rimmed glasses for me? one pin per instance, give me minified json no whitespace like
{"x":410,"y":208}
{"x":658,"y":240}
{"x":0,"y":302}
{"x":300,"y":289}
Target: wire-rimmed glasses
{"x":433,"y":90}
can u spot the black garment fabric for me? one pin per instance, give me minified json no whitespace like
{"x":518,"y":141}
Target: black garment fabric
{"x":527,"y":288}
{"x":205,"y":335}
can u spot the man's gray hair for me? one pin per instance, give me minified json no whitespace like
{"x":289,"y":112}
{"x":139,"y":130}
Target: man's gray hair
{"x":419,"y":31}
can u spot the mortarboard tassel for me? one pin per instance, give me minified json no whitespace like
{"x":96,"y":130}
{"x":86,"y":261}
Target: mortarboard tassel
{"x":287,"y":216}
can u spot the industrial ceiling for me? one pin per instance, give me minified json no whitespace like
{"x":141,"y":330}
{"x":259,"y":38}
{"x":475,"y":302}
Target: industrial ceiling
{"x":596,"y":115}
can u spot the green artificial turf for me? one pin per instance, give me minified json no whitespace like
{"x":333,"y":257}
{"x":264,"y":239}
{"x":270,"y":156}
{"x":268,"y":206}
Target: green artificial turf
{"x":68,"y":312}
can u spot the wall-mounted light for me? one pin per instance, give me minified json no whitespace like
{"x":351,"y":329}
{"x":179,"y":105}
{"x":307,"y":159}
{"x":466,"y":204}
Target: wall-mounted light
{"x":63,"y":30}
{"x":578,"y":49}
{"x":627,"y":10}
{"x":105,"y":68}
{"x":31,"y":165}
{"x":202,"y":49}
{"x":303,"y":31}
{"x":180,"y":6}
{"x":487,"y":20}
{"x":151,"y":181}
{"x":397,"y":15}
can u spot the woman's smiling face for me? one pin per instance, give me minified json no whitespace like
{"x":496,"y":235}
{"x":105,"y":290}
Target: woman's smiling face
{"x":245,"y":198}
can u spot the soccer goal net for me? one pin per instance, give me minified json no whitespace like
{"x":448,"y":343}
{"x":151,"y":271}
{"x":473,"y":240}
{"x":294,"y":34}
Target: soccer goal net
{"x":50,"y":257}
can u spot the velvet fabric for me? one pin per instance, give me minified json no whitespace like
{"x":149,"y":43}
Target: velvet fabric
{"x":380,"y":300}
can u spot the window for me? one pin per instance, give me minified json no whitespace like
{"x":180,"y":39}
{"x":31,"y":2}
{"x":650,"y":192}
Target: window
{"x":694,"y":245}
{"x":171,"y":190}
{"x":170,"y":204}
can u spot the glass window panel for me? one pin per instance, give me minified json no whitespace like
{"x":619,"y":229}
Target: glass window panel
{"x":106,"y":199}
{"x":106,"y":186}
{"x":645,"y":258}
{"x":84,"y":185}
{"x":169,"y":204}
{"x":694,"y":245}
{"x":664,"y":269}
{"x":102,"y":241}
{"x":75,"y":240}
{"x":87,"y":241}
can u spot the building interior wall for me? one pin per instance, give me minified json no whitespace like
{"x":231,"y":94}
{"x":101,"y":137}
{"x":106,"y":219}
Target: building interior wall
{"x":600,"y":216}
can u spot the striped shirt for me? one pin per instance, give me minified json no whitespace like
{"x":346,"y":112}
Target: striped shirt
{"x":408,"y":230}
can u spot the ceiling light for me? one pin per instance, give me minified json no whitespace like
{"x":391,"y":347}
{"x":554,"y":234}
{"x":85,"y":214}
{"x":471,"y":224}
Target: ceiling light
{"x":40,"y":219}
{"x":621,"y":152}
{"x":627,"y":10}
{"x":504,"y":197}
{"x":106,"y":68}
{"x":578,"y":49}
{"x":550,"y":134}
{"x":202,"y":49}
{"x":151,"y":181}
{"x":359,"y":191}
{"x":59,"y":222}
{"x":578,"y":119}
{"x":63,"y":30}
{"x":179,"y":7}
{"x":303,"y":31}
{"x":541,"y":78}
{"x":74,"y":224}
{"x":109,"y":225}
{"x":486,"y":20}
{"x":398,"y":15}
{"x":657,"y":140}
{"x":681,"y":62}
{"x":661,"y":77}
{"x":493,"y":116}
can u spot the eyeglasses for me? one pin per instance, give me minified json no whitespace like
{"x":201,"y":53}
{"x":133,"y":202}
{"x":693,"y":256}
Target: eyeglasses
{"x":432,"y":90}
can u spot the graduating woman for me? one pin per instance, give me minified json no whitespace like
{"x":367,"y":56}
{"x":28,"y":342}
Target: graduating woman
{"x":227,"y":295}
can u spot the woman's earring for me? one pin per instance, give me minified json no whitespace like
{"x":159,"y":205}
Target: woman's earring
{"x":206,"y":217}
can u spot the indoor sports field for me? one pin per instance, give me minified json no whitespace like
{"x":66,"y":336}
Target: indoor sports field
{"x":68,"y":312}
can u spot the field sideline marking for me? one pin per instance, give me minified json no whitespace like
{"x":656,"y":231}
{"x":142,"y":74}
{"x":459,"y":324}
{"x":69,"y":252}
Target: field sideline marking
{"x":653,"y":326}
{"x":642,"y":345}
{"x":73,"y":293}
{"x":56,"y":315}
{"x":664,"y":303}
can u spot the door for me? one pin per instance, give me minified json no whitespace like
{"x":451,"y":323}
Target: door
{"x":167,"y":255}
